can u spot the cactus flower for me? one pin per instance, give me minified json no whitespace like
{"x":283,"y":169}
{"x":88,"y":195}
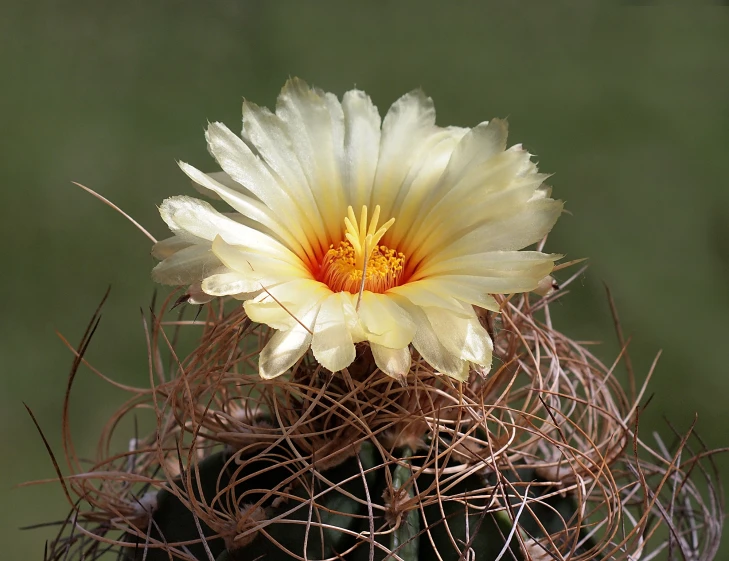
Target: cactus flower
{"x":351,"y":228}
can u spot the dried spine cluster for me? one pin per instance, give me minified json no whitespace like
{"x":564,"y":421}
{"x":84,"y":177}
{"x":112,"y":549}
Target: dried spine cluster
{"x":543,"y":454}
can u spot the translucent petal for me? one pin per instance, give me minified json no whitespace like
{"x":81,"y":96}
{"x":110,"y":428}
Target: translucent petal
{"x":493,"y":189}
{"x":287,"y":347}
{"x":384,"y":321}
{"x":393,"y":362}
{"x":332,"y":342}
{"x":282,"y":351}
{"x":463,"y":292}
{"x":526,"y":226}
{"x":281,"y":306}
{"x":185,"y":215}
{"x":427,"y":343}
{"x":248,"y":206}
{"x":361,"y":146}
{"x":314,"y":122}
{"x":507,"y":263}
{"x":410,"y":206}
{"x":165,"y":248}
{"x":293,"y":196}
{"x":428,"y":293}
{"x":410,"y":120}
{"x":464,"y":337}
{"x":270,"y":313}
{"x":354,"y":323}
{"x":451,"y":224}
{"x":258,"y":265}
{"x":476,"y":147}
{"x":224,"y":284}
{"x":187,"y":266}
{"x":496,"y":284}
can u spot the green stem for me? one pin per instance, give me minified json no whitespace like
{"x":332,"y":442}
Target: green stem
{"x":405,"y":537}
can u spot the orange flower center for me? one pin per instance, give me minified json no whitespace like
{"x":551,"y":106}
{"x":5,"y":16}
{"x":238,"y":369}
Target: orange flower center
{"x":358,"y":263}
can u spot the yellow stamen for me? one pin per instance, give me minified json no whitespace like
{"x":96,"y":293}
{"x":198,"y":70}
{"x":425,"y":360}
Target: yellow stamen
{"x":358,"y":263}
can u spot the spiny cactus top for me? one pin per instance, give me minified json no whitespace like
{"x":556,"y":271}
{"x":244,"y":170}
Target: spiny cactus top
{"x":352,"y":228}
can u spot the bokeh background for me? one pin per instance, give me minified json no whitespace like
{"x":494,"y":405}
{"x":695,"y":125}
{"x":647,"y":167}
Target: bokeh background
{"x":628,"y":107}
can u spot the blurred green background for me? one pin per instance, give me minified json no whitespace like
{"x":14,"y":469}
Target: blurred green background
{"x":628,"y":107}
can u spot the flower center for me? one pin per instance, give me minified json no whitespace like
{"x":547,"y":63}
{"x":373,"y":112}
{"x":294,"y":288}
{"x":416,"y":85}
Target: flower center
{"x":358,"y":263}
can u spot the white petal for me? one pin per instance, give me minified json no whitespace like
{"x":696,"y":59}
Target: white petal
{"x":249,"y":207}
{"x":187,"y":266}
{"x":272,"y":314}
{"x":284,"y":305}
{"x":285,"y":194}
{"x":483,"y":142}
{"x":493,"y":190}
{"x":354,"y":323}
{"x":507,"y":263}
{"x":385,"y":322}
{"x":257,"y":265}
{"x":282,"y":351}
{"x":188,"y":216}
{"x":332,"y":342}
{"x":526,"y":226}
{"x":409,"y":122}
{"x":314,"y":122}
{"x":464,"y":337}
{"x":427,"y":292}
{"x":225,"y":284}
{"x":474,"y":149}
{"x":361,"y":146}
{"x":393,"y":362}
{"x":165,"y":248}
{"x":267,"y":133}
{"x":470,"y":293}
{"x":287,"y":347}
{"x":495,"y":284}
{"x":427,"y":343}
{"x":410,"y":207}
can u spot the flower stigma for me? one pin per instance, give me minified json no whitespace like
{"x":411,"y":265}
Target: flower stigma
{"x":358,"y":263}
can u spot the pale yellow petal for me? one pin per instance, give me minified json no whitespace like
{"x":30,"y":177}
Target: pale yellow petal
{"x":393,"y":362}
{"x":293,"y":196}
{"x":384,"y":321}
{"x":351,"y":315}
{"x":506,"y":263}
{"x":361,"y":146}
{"x":251,"y":208}
{"x":165,"y":248}
{"x":411,"y":203}
{"x":428,"y":293}
{"x":225,"y":284}
{"x":529,"y":224}
{"x":493,"y":190}
{"x":188,"y":216}
{"x":286,"y":347}
{"x":332,"y":343}
{"x":282,"y":351}
{"x":258,"y":264}
{"x":281,"y":306}
{"x":475,"y":149}
{"x":408,"y":123}
{"x":314,"y":121}
{"x":464,"y":337}
{"x":187,"y":266}
{"x":427,"y":343}
{"x":446,"y":294}
{"x":270,"y":313}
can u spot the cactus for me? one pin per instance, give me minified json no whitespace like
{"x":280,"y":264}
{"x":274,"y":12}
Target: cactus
{"x":540,"y":459}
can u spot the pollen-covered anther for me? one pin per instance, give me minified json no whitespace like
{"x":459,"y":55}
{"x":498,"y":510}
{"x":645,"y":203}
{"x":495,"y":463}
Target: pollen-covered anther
{"x":359,"y":256}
